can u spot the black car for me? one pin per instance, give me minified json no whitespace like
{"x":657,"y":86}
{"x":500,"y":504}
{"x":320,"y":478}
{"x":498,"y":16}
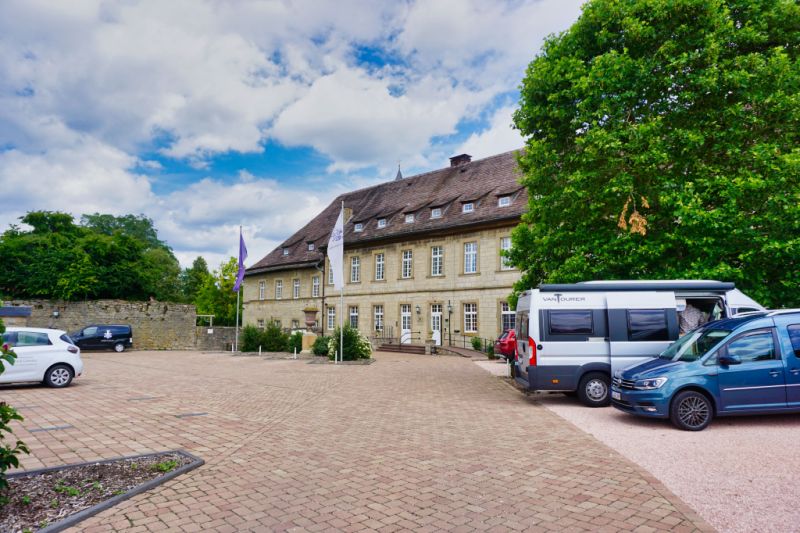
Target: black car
{"x":104,"y":336}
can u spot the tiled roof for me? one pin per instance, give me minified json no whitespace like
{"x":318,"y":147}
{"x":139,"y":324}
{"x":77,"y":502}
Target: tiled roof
{"x":480,"y":182}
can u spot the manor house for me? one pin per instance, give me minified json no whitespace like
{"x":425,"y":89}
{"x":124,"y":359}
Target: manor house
{"x":422,"y":258}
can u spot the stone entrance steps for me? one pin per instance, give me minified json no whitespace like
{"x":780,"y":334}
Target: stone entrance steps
{"x":404,"y":348}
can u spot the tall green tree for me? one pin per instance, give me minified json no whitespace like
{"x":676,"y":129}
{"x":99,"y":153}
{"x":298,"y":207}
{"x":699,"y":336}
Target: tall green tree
{"x":216,"y":296}
{"x":663,"y":141}
{"x":193,"y":278}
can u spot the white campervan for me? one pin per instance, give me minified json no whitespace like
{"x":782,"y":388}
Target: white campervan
{"x":573,"y":337}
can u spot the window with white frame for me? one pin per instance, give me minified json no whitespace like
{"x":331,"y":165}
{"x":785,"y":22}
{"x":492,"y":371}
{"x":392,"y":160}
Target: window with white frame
{"x":409,"y":218}
{"x":436,"y":212}
{"x":470,"y":318}
{"x":311,"y":247}
{"x":330,"y":274}
{"x":278,"y":289}
{"x":260,"y":323}
{"x":295,"y":324}
{"x":406,"y":270}
{"x":470,"y":257}
{"x":315,"y":286}
{"x":377,"y":312}
{"x":331,"y":318}
{"x":296,"y":289}
{"x":277,"y":323}
{"x":505,"y":246}
{"x":353,"y":317}
{"x":359,"y":227}
{"x":507,"y":316}
{"x":504,"y":201}
{"x":285,"y":251}
{"x":380,"y":271}
{"x":262,"y":289}
{"x":468,"y":207}
{"x":355,"y":270}
{"x":437,"y":261}
{"x":381,"y":222}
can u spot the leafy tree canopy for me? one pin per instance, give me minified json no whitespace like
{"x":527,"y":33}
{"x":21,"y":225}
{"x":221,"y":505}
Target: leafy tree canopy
{"x":663,"y":141}
{"x":216,"y":296}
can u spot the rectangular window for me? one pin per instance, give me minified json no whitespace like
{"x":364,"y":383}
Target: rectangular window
{"x":407,"y":258}
{"x":278,"y":289}
{"x":794,"y":336}
{"x":285,"y":251}
{"x":470,"y":257}
{"x":507,"y":316}
{"x":315,"y":287}
{"x":359,"y":227}
{"x":437,"y":257}
{"x":571,"y":322}
{"x":330,"y":275}
{"x":505,"y":246}
{"x":355,"y":270}
{"x":311,"y":247}
{"x":277,"y":323}
{"x":409,"y":218}
{"x":470,"y":318}
{"x":295,"y":324}
{"x":753,"y":346}
{"x":354,"y":317}
{"x":436,"y":212}
{"x":331,"y":318}
{"x":381,"y":222}
{"x":262,"y":289}
{"x":647,"y":325}
{"x":296,"y":289}
{"x":504,"y":201}
{"x":469,"y":207}
{"x":261,"y":323}
{"x":379,"y":268}
{"x":377,"y":312}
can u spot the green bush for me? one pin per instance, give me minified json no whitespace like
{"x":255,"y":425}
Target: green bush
{"x":356,"y":346}
{"x":251,"y":339}
{"x":476,"y":343}
{"x":296,"y":342}
{"x":274,"y":339}
{"x":8,"y":453}
{"x":490,"y":352}
{"x":321,"y":346}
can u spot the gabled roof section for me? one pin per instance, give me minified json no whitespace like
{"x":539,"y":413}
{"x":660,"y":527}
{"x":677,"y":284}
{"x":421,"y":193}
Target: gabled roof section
{"x":489,"y":177}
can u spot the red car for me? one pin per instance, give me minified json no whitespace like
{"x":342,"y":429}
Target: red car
{"x":506,"y":344}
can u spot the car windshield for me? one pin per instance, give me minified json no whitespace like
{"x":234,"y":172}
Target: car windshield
{"x":503,"y":335}
{"x":694,"y":345}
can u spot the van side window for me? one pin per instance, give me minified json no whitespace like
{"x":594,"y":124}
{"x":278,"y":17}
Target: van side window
{"x":522,"y":326}
{"x":647,"y":325}
{"x":794,"y":336}
{"x":571,"y":322}
{"x":751,"y":347}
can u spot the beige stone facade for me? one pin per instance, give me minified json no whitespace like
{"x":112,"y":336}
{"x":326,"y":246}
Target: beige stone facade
{"x":440,"y":278}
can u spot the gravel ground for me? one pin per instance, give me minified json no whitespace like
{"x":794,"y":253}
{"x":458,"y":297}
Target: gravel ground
{"x":740,"y":474}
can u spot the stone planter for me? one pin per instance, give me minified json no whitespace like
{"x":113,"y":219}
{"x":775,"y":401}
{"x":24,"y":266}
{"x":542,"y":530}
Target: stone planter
{"x":311,"y":316}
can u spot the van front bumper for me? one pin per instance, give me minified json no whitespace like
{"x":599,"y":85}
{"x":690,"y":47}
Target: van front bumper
{"x":650,"y":403}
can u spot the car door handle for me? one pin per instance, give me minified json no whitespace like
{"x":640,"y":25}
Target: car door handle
{"x":774,"y":373}
{"x":795,"y":371}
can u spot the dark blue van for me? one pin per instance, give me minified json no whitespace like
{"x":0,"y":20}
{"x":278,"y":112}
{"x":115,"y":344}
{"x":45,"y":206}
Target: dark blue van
{"x":741,"y":365}
{"x":117,"y":337}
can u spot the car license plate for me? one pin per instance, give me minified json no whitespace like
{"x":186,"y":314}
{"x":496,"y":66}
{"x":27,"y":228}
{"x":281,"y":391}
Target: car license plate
{"x":615,"y":395}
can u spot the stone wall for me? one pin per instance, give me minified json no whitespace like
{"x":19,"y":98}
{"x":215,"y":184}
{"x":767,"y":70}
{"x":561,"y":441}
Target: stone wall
{"x":220,"y":340}
{"x":156,"y":325}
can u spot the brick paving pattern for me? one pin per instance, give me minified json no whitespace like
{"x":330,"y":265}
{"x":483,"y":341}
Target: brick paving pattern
{"x":410,"y":443}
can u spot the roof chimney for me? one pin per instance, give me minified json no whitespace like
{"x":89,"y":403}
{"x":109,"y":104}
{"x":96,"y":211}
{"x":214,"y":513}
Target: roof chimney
{"x":458,"y":160}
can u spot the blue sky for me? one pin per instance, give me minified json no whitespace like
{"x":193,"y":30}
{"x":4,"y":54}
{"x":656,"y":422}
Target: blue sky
{"x":205,"y":115}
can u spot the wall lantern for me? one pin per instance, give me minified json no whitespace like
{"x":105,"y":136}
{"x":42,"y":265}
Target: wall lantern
{"x":419,"y":310}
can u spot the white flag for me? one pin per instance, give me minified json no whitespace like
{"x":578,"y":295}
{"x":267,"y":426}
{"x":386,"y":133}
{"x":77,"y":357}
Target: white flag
{"x":336,"y":252}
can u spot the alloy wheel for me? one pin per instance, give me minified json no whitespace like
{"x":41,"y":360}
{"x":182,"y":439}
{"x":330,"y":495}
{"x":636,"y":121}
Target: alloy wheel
{"x":693,"y":411}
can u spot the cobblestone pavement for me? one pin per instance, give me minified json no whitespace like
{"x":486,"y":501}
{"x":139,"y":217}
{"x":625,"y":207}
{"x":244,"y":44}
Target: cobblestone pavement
{"x":413,"y":443}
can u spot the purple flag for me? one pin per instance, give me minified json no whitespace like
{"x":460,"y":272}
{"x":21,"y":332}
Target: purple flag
{"x":242,"y":257}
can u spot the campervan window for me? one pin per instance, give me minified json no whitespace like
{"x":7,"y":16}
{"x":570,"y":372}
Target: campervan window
{"x":522,"y":326}
{"x":647,"y":325}
{"x":571,"y":322}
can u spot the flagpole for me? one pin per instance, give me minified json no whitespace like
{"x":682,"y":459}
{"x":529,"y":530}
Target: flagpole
{"x":341,"y":316}
{"x":238,"y":291}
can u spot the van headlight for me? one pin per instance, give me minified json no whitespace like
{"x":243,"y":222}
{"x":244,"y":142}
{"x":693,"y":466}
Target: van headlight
{"x":649,"y":384}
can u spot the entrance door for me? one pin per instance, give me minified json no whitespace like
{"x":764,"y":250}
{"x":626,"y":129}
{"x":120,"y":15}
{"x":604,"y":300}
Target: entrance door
{"x":640,"y":325}
{"x":436,"y":323}
{"x":405,"y":324}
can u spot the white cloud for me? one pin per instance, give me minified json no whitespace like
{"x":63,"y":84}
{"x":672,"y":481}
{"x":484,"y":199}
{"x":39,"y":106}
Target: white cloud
{"x":499,"y":137}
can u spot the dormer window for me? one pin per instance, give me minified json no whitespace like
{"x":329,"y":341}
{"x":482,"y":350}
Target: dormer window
{"x":504,"y":201}
{"x":285,"y":251}
{"x":436,"y":212}
{"x":468,"y":207}
{"x":381,"y":222}
{"x":409,"y":218}
{"x":359,"y":227}
{"x":311,"y":247}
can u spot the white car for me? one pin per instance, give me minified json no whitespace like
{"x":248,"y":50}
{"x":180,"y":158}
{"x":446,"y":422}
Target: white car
{"x":44,"y":355}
